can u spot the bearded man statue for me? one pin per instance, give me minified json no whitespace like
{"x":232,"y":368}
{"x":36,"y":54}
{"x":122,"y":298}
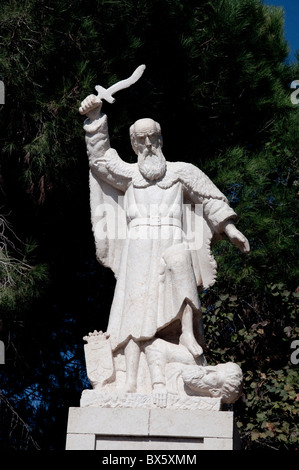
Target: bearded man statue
{"x":158,"y":266}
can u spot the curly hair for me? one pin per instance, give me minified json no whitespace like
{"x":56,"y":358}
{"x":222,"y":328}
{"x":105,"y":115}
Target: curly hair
{"x":232,"y":387}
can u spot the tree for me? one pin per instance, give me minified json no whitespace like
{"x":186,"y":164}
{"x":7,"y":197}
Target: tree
{"x":218,"y":82}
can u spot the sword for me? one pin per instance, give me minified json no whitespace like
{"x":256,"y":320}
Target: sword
{"x":106,"y":93}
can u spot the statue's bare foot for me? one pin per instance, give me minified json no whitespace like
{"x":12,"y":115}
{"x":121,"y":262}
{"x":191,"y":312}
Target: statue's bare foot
{"x":188,"y":340}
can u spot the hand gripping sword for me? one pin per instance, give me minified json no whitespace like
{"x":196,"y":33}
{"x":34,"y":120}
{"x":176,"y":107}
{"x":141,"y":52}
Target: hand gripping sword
{"x":106,"y":93}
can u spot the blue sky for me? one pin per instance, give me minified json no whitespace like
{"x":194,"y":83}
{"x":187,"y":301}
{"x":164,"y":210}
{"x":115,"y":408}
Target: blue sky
{"x":291,"y":8}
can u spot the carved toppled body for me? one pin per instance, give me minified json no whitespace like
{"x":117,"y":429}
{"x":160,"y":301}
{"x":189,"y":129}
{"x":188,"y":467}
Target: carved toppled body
{"x":168,"y":377}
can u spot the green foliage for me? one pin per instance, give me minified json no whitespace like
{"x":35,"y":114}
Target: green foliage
{"x":262,"y":186}
{"x":20,"y":283}
{"x":22,"y":278}
{"x":276,"y":425}
{"x":257,"y":332}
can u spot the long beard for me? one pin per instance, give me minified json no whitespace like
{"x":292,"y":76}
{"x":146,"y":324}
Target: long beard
{"x":152,"y":165}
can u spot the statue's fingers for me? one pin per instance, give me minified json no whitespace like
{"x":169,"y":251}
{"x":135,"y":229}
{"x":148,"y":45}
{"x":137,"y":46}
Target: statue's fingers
{"x":88,"y":101}
{"x":246,"y":246}
{"x":243,"y":244}
{"x":84,"y":105}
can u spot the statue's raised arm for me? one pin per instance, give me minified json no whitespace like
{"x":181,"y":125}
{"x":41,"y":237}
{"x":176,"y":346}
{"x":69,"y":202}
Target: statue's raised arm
{"x":97,"y":136}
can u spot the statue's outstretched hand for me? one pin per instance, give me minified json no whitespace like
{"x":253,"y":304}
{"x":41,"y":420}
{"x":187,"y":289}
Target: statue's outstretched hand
{"x":237,"y":238}
{"x":91,"y":106}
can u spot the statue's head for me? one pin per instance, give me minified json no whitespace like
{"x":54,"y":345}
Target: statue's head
{"x":145,"y":133}
{"x":223,"y":380}
{"x":147,"y":143}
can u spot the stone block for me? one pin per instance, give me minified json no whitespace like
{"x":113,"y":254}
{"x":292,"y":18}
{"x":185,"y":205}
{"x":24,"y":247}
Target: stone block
{"x":150,"y":429}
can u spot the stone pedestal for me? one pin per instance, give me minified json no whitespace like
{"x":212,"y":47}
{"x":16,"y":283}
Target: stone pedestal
{"x":150,"y":429}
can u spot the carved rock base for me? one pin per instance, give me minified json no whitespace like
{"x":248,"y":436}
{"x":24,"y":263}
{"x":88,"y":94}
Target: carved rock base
{"x":94,"y":398}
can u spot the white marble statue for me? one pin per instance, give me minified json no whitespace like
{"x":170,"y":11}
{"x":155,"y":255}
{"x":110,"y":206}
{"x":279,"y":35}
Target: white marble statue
{"x":159,"y":255}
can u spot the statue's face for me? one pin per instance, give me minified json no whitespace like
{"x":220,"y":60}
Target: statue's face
{"x":211,"y":378}
{"x":215,"y":376}
{"x":147,"y":137}
{"x":147,"y":143}
{"x":222,"y":380}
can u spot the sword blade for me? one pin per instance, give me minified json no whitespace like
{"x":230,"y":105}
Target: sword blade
{"x":128,"y":81}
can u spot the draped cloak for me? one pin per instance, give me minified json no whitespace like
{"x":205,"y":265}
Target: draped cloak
{"x":159,"y":253}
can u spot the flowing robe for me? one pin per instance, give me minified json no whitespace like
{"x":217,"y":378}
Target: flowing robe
{"x":158,"y":265}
